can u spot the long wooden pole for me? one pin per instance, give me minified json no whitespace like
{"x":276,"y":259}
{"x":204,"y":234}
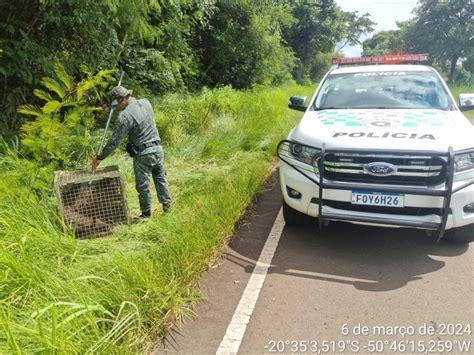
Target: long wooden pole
{"x":102,"y":142}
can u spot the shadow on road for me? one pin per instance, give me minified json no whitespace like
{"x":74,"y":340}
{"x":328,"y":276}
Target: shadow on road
{"x":369,"y":258}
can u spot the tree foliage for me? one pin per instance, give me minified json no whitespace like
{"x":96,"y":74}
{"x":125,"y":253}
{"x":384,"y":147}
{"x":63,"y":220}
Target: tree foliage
{"x":443,"y":29}
{"x":447,"y":29}
{"x":382,"y":43}
{"x":319,"y":27}
{"x":36,"y":33}
{"x":59,"y":133}
{"x":165,"y":45}
{"x":321,"y":64}
{"x":168,"y":62}
{"x":243,"y":45}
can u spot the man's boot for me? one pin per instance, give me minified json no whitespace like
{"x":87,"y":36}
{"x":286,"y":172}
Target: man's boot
{"x":146,"y":214}
{"x":143,"y":216}
{"x":166,"y":207}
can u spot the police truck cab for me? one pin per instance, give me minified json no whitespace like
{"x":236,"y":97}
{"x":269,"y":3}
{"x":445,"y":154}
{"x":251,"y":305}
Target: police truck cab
{"x":381,"y":142}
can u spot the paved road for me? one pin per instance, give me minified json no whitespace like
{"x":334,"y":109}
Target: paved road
{"x":395,"y":285}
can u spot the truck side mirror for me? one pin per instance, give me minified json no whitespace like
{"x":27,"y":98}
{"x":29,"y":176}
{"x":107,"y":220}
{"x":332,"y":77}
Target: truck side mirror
{"x":466,"y":102}
{"x":298,"y":103}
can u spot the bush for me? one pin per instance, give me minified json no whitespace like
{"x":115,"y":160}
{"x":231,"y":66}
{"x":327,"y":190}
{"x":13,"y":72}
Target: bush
{"x":60,"y":133}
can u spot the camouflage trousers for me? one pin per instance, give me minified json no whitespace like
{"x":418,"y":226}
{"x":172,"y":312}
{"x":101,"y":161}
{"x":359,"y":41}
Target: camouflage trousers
{"x":146,"y":166}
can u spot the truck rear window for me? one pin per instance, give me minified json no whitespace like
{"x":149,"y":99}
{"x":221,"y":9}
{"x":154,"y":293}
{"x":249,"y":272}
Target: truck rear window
{"x":383,"y":90}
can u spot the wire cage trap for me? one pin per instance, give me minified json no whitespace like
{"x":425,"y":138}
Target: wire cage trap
{"x":91,"y":203}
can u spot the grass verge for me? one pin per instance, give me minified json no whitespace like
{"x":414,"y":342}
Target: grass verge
{"x":120,"y":294}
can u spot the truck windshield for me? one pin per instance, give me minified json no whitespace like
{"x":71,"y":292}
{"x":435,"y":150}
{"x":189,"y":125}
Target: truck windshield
{"x":380,"y":90}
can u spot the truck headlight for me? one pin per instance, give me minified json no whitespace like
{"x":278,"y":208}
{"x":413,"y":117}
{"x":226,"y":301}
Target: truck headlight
{"x":464,"y":161}
{"x":303,"y":153}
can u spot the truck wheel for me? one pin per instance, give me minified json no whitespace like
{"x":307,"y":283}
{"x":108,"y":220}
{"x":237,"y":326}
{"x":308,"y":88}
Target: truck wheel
{"x":293,"y":217}
{"x":462,"y":235}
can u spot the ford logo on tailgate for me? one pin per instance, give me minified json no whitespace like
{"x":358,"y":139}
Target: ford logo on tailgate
{"x":380,"y":169}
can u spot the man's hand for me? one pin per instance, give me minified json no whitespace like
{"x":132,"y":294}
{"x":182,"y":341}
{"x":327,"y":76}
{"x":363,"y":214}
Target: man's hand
{"x":95,"y":164}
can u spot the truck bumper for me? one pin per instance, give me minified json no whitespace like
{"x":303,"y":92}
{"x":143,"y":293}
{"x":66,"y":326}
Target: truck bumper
{"x":308,"y":204}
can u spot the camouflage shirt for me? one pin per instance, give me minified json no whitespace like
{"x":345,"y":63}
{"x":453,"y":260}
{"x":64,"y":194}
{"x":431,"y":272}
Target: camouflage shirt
{"x":137,"y":122}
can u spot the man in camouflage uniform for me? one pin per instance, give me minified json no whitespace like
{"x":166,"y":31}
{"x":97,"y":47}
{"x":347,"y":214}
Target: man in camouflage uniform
{"x":137,"y":122}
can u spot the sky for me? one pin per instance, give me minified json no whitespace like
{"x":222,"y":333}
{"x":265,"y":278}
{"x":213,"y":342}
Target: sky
{"x":384,"y":12}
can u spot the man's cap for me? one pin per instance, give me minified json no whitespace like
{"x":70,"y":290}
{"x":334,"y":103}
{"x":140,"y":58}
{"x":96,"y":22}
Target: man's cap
{"x":118,"y":93}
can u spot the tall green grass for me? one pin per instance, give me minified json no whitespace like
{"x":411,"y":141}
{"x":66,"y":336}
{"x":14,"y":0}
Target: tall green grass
{"x":456,"y":90}
{"x":122,"y":293}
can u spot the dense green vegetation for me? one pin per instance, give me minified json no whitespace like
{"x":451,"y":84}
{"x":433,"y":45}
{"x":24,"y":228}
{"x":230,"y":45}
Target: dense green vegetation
{"x":118,"y":294}
{"x":165,"y":45}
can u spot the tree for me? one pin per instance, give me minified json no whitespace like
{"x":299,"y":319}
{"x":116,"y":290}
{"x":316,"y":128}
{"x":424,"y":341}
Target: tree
{"x":382,"y":43}
{"x":355,"y":26}
{"x":36,"y":33}
{"x":468,"y":64}
{"x":243,"y":45}
{"x":169,"y":62}
{"x":321,"y":63}
{"x":319,"y":26}
{"x":60,"y":133}
{"x":444,"y":29}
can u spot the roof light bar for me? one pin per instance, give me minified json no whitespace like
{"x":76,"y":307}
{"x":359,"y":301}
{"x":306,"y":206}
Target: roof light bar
{"x":386,"y":59}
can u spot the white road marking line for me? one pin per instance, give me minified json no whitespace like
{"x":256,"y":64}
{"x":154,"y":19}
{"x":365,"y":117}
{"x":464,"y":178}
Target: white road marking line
{"x":238,"y":325}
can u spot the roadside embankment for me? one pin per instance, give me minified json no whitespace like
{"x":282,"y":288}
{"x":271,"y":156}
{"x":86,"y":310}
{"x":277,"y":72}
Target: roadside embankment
{"x":120,"y":293}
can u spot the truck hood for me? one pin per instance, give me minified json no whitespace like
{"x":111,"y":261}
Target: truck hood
{"x":434,"y":130}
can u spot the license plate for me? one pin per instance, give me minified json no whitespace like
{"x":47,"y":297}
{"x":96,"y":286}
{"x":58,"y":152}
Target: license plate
{"x":387,"y":199}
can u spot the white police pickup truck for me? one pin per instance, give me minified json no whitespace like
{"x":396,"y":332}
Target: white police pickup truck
{"x":381,"y":142}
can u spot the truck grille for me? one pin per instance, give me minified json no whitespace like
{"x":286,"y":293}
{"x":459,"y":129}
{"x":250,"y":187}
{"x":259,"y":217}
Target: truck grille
{"x":410,"y":170}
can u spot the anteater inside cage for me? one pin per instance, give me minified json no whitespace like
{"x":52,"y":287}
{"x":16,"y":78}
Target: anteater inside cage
{"x":91,"y":203}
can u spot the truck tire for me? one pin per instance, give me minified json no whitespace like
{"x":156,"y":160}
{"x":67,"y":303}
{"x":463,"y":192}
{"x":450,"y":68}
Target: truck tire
{"x":462,"y":235}
{"x":293,"y":217}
